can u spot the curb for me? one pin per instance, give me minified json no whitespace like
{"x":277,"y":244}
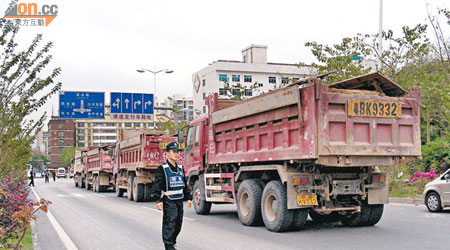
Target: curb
{"x":34,"y":234}
{"x":413,"y":201}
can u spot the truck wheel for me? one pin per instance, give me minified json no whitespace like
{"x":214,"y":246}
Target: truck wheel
{"x":276,"y":216}
{"x":357,"y":219}
{"x":130,"y":188}
{"x":324,"y":218}
{"x":119,"y":191}
{"x":148,"y":192}
{"x":376,"y":211}
{"x":300,"y":218}
{"x":433,"y":202}
{"x":96,"y":184}
{"x":86,"y":184}
{"x":249,"y":202}
{"x":81,"y":182}
{"x":201,"y":206}
{"x":138,"y":190}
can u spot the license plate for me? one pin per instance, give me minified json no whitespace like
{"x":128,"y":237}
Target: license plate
{"x":307,"y":200}
{"x":374,"y":109}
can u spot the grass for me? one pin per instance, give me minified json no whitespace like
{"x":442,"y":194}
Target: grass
{"x":27,"y":242}
{"x":400,"y":189}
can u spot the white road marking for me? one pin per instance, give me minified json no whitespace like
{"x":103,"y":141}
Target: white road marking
{"x":71,"y":195}
{"x":99,"y":195}
{"x":68,"y":243}
{"x":184,"y":217}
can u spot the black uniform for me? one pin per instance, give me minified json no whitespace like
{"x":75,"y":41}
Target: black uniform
{"x":31,"y":178}
{"x":172,"y":208}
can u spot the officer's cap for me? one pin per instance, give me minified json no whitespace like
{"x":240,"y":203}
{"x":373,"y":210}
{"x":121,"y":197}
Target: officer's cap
{"x":172,"y":146}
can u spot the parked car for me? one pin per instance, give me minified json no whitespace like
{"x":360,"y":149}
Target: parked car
{"x":437,"y":193}
{"x":38,"y":175}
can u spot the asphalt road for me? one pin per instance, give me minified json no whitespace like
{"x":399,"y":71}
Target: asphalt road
{"x":103,"y":221}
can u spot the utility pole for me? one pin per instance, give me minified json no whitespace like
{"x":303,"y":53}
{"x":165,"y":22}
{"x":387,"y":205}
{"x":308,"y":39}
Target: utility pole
{"x":380,"y":32}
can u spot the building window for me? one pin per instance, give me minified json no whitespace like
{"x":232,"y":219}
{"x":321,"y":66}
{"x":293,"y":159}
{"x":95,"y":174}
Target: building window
{"x":61,"y":134}
{"x":204,"y":96}
{"x":236,"y":91}
{"x":222,"y":91}
{"x":137,"y":125}
{"x":60,"y":125}
{"x":81,"y":124}
{"x":248,"y":92}
{"x":247,"y":78}
{"x":127,"y":124}
{"x":61,"y":141}
{"x":236,"y":78}
{"x":60,"y":150}
{"x":295,"y":78}
{"x":284,"y":80}
{"x":81,"y":131}
{"x":204,"y":109}
{"x":203,"y":82}
{"x":223,"y":78}
{"x":80,"y":138}
{"x":260,"y":84}
{"x":81,"y":145}
{"x":272,"y":79}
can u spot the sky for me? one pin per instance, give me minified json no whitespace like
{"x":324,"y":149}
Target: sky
{"x":100,"y":44}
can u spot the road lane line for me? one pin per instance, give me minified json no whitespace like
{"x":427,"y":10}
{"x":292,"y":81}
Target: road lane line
{"x":100,"y":195}
{"x":68,"y":243}
{"x":184,"y":217}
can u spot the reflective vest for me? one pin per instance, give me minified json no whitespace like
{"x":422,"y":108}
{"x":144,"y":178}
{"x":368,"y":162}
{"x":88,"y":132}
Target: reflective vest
{"x":174,"y":182}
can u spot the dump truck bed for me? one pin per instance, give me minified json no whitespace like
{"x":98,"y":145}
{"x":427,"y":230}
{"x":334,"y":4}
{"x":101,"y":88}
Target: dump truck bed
{"x":374,"y":123}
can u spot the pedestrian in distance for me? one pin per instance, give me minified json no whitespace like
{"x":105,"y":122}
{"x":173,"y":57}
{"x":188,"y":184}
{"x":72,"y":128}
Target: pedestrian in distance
{"x":31,"y":178}
{"x":46,"y":176}
{"x":54,"y":176}
{"x":171,"y":183}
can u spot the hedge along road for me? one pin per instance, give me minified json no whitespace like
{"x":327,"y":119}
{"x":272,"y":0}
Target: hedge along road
{"x":103,"y":221}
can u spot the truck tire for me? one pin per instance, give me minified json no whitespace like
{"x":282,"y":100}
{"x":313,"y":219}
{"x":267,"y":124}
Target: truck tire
{"x":119,"y":191}
{"x":358,"y":219}
{"x":86,"y":184}
{"x":276,"y":216}
{"x":376,"y":211}
{"x":148,"y":196}
{"x":81,"y":182}
{"x":96,"y":184}
{"x":130,"y":188}
{"x":324,"y":218}
{"x":201,"y":206}
{"x":300,"y":218}
{"x":249,"y":202}
{"x":138,"y":190}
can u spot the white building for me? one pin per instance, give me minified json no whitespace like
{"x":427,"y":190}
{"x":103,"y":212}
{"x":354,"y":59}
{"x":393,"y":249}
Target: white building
{"x":184,"y":104}
{"x":253,"y":73}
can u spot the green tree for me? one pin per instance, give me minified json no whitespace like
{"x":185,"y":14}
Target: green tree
{"x":67,"y":155}
{"x":39,"y":160}
{"x":24,"y":88}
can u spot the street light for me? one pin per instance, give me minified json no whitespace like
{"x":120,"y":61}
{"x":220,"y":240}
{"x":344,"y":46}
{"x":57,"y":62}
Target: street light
{"x":154,"y":72}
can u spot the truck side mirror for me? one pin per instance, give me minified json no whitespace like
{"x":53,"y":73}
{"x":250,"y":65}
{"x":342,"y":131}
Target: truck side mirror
{"x":180,"y":136}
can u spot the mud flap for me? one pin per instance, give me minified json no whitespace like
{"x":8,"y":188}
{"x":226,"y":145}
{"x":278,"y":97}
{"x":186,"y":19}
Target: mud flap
{"x":378,"y":195}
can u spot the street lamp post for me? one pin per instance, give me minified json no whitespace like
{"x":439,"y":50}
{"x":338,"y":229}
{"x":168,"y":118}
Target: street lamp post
{"x":154,"y":72}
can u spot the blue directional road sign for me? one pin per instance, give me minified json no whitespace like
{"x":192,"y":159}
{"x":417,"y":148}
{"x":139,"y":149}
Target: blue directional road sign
{"x":131,"y":103}
{"x":81,"y":105}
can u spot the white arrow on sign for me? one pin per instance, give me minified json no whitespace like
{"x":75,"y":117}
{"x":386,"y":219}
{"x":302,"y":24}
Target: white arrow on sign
{"x":82,"y":109}
{"x":147,"y":102}
{"x":126,"y":103}
{"x":116,"y":104}
{"x":138,"y":103}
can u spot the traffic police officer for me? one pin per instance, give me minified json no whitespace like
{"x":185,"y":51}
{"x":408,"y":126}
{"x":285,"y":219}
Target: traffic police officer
{"x":170,"y":182}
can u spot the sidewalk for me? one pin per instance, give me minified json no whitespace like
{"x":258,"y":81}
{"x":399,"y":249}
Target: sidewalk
{"x":414,"y":201}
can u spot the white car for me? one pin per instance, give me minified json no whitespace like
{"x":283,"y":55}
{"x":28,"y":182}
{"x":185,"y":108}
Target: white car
{"x":437,"y":193}
{"x":38,"y":175}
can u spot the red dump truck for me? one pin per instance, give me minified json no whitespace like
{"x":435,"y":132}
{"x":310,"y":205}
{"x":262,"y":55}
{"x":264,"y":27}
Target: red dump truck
{"x":79,"y":168}
{"x":99,"y":168}
{"x":306,"y":148}
{"x":137,"y":156}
